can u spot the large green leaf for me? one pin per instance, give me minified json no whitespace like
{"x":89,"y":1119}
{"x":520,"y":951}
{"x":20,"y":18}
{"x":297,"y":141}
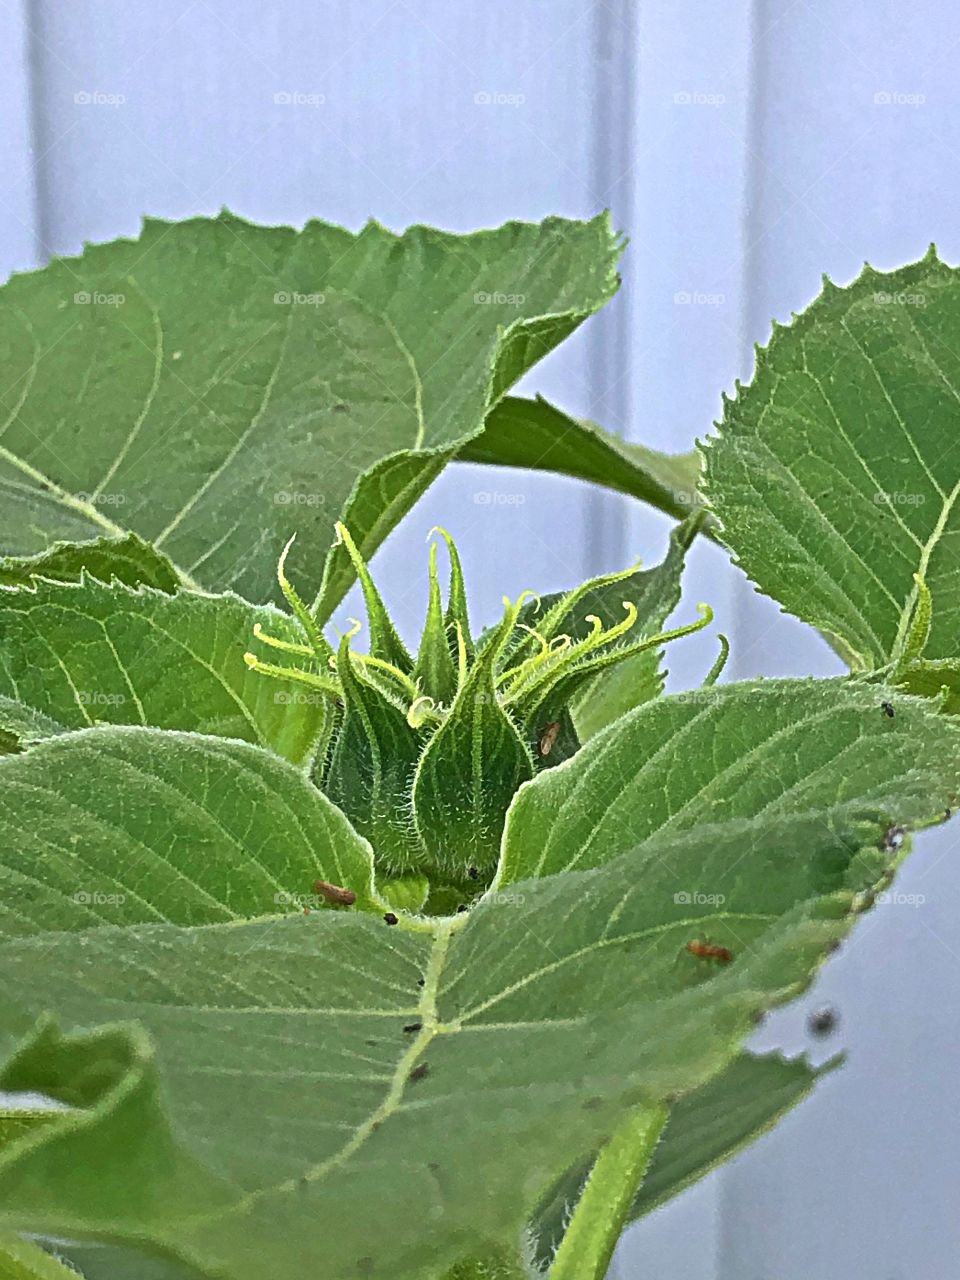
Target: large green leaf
{"x":128,"y":825}
{"x":85,"y":653}
{"x":836,"y":472}
{"x":706,"y":1127}
{"x":240,"y":1086}
{"x":741,"y":756}
{"x":216,"y":386}
{"x":536,"y":435}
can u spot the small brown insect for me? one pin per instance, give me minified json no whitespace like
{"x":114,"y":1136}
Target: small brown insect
{"x":391,"y":918}
{"x":418,"y":1073}
{"x":709,"y":951}
{"x":887,"y":709}
{"x":335,"y":894}
{"x":548,"y":736}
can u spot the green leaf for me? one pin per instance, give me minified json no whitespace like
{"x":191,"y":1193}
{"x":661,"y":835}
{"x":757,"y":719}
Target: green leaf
{"x":470,"y":771}
{"x":740,"y":756}
{"x":21,"y":1260}
{"x":21,"y":725}
{"x":436,"y":672}
{"x":938,"y":680}
{"x":836,"y":472}
{"x":656,"y":593}
{"x":215,"y":386}
{"x":536,"y":435}
{"x":129,"y":560}
{"x":105,"y":1262}
{"x":372,"y":762}
{"x":15,"y":1125}
{"x":706,"y":1128}
{"x":299,"y":1063}
{"x":122,"y":826}
{"x":86,"y":653}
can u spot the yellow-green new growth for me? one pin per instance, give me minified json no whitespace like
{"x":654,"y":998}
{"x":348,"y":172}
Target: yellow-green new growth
{"x":425,"y":754}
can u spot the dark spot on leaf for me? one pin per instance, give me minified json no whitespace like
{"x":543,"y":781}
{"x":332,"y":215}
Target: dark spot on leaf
{"x":391,"y":918}
{"x":413,"y":1026}
{"x":421,"y":982}
{"x":473,"y":873}
{"x":340,"y":408}
{"x":462,"y":907}
{"x":419,"y":1073}
{"x":887,"y":709}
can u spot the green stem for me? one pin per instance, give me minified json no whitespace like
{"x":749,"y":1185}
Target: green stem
{"x":598,"y":1220}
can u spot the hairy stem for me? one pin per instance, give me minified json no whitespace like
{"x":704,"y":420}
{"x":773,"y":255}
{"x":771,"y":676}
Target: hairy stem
{"x":602,"y":1209}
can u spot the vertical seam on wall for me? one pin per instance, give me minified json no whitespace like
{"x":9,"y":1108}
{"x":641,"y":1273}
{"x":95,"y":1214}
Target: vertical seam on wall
{"x":37,"y":125}
{"x":614,"y":64}
{"x":741,"y":591}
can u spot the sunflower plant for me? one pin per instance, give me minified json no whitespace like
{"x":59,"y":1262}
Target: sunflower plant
{"x":301,"y":917}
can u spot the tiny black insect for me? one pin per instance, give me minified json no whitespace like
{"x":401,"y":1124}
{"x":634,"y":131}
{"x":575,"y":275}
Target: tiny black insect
{"x":413,"y":1026}
{"x":421,"y":982}
{"x":391,"y":918}
{"x":462,"y":907}
{"x":887,"y":709}
{"x":823,"y":1022}
{"x":473,"y":873}
{"x":418,"y":1073}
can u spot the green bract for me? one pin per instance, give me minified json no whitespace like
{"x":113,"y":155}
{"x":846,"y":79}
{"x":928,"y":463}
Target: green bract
{"x":472,"y":930}
{"x":425,"y":753}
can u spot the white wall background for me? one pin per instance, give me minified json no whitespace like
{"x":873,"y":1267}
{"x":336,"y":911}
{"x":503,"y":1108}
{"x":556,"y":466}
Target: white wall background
{"x":743,"y":146}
